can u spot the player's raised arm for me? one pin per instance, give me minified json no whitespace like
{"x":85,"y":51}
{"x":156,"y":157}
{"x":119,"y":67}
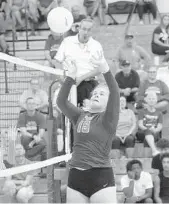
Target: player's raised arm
{"x":68,"y":109}
{"x":112,"y":109}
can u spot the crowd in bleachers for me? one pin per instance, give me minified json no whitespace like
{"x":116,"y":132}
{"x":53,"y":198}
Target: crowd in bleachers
{"x":143,"y":101}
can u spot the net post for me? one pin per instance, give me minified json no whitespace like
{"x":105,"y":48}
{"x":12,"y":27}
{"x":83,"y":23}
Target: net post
{"x":54,"y":185}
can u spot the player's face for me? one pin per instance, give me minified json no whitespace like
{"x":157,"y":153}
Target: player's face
{"x":136,"y":168}
{"x":151,"y":99}
{"x":122,"y":103}
{"x":152,"y":73}
{"x":85,"y":31}
{"x":99,"y":99}
{"x":165,"y":164}
{"x":30,"y":105}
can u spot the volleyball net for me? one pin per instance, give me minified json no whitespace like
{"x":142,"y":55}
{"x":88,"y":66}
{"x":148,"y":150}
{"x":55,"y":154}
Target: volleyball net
{"x":19,"y":73}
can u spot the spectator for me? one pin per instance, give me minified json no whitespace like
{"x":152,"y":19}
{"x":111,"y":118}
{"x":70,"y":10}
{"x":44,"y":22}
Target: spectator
{"x":143,"y":6}
{"x":158,"y":44}
{"x":84,"y":46}
{"x":39,"y":95}
{"x":132,"y":52}
{"x":128,"y":81}
{"x":34,"y":13}
{"x":159,"y":87}
{"x":161,"y":182}
{"x":32,"y":125}
{"x":137,"y":184}
{"x":163,"y":147}
{"x":150,"y":124}
{"x":54,"y":4}
{"x":3,"y":43}
{"x":16,"y":10}
{"x":77,"y":19}
{"x":95,"y":6}
{"x":51,"y":46}
{"x":20,"y":185}
{"x":125,"y":132}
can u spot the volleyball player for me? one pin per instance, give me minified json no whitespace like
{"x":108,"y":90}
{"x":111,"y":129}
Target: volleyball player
{"x":91,"y":176}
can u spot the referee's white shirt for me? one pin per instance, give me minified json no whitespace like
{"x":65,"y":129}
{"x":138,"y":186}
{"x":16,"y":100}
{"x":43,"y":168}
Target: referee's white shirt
{"x":82,"y":53}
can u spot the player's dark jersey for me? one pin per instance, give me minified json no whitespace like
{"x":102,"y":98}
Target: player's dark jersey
{"x":93,"y":132}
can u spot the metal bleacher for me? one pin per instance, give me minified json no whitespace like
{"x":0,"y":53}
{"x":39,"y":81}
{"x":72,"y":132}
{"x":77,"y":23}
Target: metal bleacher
{"x":110,"y":37}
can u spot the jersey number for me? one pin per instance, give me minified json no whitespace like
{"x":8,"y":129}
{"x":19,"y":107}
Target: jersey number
{"x":84,"y":125}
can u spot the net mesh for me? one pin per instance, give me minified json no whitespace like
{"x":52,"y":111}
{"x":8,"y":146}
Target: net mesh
{"x":12,"y":84}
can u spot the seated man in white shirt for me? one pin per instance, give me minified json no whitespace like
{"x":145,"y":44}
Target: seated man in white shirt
{"x":137,"y":185}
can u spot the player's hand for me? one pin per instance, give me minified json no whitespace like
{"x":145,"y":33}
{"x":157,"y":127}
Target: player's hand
{"x":99,"y":62}
{"x":71,"y":67}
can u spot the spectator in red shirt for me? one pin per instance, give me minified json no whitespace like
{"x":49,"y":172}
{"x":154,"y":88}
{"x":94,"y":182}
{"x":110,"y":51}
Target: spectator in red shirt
{"x":150,"y":124}
{"x":32,"y":125}
{"x":51,"y":47}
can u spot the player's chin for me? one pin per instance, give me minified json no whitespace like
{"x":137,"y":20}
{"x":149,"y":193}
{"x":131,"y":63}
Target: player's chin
{"x":95,"y":105}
